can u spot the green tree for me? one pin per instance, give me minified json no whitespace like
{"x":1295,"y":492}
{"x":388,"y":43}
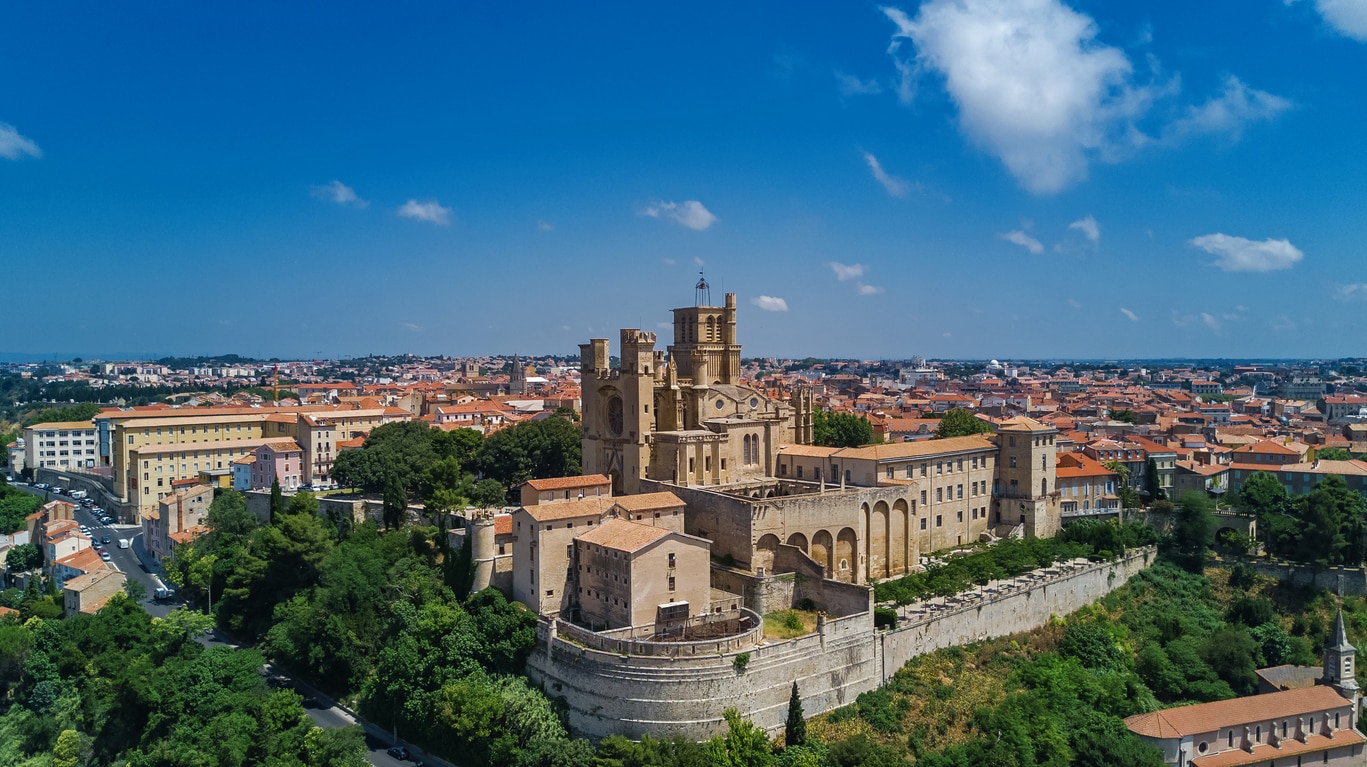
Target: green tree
{"x":1332,"y":516}
{"x":487,"y":493}
{"x":82,"y":412}
{"x":1262,"y":495}
{"x":68,"y":750}
{"x":23,"y":557}
{"x":1124,"y":415}
{"x":1332,"y":454}
{"x":1193,"y":534}
{"x":961,"y":423}
{"x":743,"y":745}
{"x":277,"y":501}
{"x":795,"y":730}
{"x":841,"y":429}
{"x":530,"y":450}
{"x":460,"y":444}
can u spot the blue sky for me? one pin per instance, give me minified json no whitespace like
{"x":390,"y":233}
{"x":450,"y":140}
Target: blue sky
{"x":954,"y":178}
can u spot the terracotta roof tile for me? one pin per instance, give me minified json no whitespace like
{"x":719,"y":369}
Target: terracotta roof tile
{"x":1210,"y":717}
{"x":622,"y":535}
{"x":569,"y":483}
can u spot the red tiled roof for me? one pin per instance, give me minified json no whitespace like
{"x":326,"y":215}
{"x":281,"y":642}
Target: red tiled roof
{"x":1210,"y":717}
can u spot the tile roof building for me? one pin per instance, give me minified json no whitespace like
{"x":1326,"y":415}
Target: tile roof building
{"x":1302,"y":725}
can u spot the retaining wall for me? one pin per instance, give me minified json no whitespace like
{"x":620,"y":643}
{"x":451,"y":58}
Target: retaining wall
{"x":610,"y":694}
{"x":1344,"y":581}
{"x":615,"y":693}
{"x":1009,"y":613}
{"x":94,"y":484}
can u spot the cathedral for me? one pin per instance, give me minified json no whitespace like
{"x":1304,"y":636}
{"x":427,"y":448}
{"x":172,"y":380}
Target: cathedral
{"x":682,"y":421}
{"x":683,"y":416}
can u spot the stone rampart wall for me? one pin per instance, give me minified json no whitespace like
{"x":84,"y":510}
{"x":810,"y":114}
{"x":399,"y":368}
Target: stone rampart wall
{"x":635,"y":695}
{"x":611,"y":693}
{"x":1013,"y":612}
{"x":1344,"y":581}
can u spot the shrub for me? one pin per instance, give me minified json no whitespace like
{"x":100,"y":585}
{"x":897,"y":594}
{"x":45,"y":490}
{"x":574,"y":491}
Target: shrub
{"x":884,"y":617}
{"x":741,"y":661}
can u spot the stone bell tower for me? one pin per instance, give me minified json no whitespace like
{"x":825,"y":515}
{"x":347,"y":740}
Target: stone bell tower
{"x":1339,"y":659}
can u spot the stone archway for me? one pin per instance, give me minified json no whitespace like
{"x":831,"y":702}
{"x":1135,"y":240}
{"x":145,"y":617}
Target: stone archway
{"x":899,"y":537}
{"x":878,"y":556}
{"x":846,"y":557}
{"x":799,"y":540}
{"x":823,"y":549}
{"x":765,"y":550}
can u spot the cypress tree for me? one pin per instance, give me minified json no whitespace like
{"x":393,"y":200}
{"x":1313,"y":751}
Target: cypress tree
{"x":795,"y":731}
{"x":277,"y":501}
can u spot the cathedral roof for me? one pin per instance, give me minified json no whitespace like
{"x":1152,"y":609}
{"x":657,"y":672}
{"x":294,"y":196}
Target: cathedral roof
{"x":896,"y":450}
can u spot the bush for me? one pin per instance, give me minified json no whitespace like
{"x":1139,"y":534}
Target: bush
{"x":884,"y":617}
{"x":741,"y":661}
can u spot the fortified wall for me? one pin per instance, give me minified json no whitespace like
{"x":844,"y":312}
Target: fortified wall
{"x":632,"y":687}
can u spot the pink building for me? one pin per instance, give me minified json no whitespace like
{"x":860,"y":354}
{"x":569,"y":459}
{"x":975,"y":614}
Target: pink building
{"x":281,"y":462}
{"x":178,"y":519}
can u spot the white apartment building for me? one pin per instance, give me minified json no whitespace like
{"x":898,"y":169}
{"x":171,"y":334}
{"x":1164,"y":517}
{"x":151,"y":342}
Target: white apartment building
{"x":67,"y":446}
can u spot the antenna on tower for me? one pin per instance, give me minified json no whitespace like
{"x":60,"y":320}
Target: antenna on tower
{"x":702,"y":292}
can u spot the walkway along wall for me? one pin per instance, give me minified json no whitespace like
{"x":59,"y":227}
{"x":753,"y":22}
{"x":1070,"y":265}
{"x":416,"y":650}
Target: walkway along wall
{"x":1011,"y":613}
{"x":619,"y":693}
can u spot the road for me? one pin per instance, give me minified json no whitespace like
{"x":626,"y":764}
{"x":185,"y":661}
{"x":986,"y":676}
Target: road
{"x":128,"y":561}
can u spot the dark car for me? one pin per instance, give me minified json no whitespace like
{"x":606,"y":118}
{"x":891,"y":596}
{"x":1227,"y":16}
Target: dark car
{"x":398,"y":752}
{"x":104,"y":539}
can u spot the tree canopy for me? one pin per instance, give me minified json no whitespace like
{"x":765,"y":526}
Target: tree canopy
{"x":841,"y":429}
{"x":961,"y":423}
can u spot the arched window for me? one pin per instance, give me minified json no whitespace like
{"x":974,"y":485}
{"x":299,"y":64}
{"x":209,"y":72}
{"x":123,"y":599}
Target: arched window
{"x":1044,"y":463}
{"x":1044,"y":487}
{"x":745,"y":450}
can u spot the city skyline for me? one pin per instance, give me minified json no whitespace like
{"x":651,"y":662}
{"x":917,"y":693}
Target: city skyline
{"x":1094,"y":182}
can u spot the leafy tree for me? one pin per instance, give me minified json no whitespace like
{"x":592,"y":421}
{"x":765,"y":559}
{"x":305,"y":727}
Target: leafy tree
{"x":394,"y":454}
{"x":841,"y":429}
{"x":795,"y":730}
{"x":1333,"y":454}
{"x":1193,"y":533}
{"x":487,"y":493}
{"x":961,"y":423}
{"x":1263,"y":495}
{"x":1124,"y":415}
{"x":1332,"y":516}
{"x":277,"y":501}
{"x":82,"y":412}
{"x":530,"y":450}
{"x":460,"y":444}
{"x":26,"y":556}
{"x":743,"y":745}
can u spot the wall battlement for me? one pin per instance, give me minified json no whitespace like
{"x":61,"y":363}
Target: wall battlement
{"x":633,"y":695}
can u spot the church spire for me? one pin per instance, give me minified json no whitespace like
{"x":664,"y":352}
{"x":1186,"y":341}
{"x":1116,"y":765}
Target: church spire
{"x":1339,"y":659}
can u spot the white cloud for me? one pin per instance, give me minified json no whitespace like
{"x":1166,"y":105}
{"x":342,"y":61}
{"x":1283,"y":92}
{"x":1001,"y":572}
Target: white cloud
{"x":1228,"y":112}
{"x":689,"y":213}
{"x":411,"y":327}
{"x":1347,"y":16}
{"x":336,"y":191}
{"x":853,"y":86}
{"x":869,"y":290}
{"x":1205,"y":318}
{"x":698,"y":262}
{"x":1089,"y":227}
{"x":770,"y":303}
{"x":846,"y":271}
{"x":1024,"y":240}
{"x":894,"y":185}
{"x":430,"y":211}
{"x":1073,"y":302}
{"x":668,"y":261}
{"x":1032,"y":83}
{"x":1036,"y":88}
{"x":14,"y":146}
{"x":1354,"y":292}
{"x":1236,"y":254}
{"x":544,"y":226}
{"x":1133,"y":317}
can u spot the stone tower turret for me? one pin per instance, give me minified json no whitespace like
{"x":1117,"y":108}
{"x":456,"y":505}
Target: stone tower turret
{"x":481,"y":532}
{"x":1026,"y":477}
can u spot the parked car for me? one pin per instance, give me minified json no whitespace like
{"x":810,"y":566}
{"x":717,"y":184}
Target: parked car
{"x":104,"y":555}
{"x":104,"y":540}
{"x":398,"y":752}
